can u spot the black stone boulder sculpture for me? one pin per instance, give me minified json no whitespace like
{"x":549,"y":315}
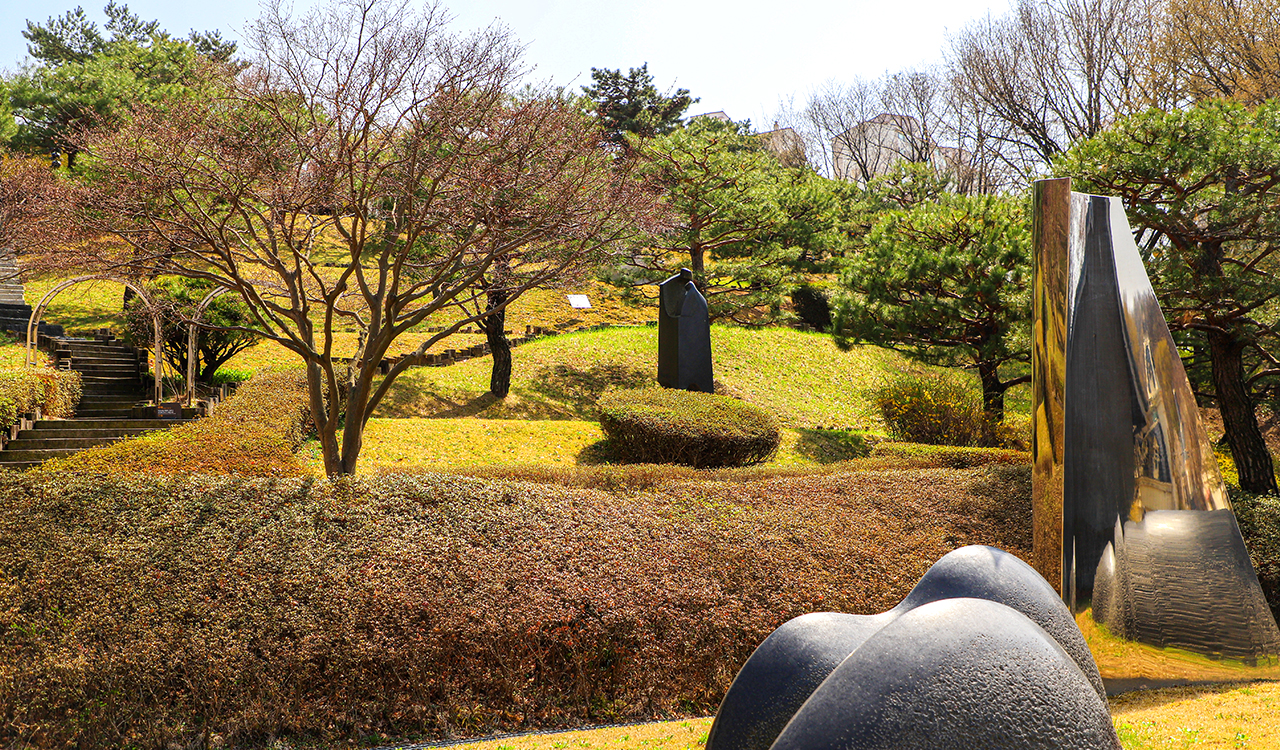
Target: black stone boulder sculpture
{"x":981,"y":654}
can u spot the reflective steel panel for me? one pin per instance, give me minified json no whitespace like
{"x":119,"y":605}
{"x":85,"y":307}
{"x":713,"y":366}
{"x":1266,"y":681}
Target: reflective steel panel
{"x":1149,"y":555}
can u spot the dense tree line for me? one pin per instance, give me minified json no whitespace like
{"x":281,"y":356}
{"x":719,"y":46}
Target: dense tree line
{"x":921,"y":247}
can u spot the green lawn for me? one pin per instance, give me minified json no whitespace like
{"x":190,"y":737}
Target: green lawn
{"x":81,"y":307}
{"x":801,"y":378}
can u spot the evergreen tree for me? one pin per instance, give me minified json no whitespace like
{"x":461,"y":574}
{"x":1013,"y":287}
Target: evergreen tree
{"x":632,"y":104}
{"x":83,"y":74}
{"x":945,"y":282}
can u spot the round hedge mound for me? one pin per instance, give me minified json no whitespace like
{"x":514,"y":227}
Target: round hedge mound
{"x":667,"y":426}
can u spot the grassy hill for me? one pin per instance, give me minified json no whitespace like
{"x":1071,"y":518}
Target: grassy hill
{"x":801,"y":378}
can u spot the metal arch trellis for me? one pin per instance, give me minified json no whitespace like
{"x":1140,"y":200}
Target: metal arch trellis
{"x":33,"y":323}
{"x":193,"y":326}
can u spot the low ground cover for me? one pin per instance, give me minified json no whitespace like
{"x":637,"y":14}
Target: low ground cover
{"x":151,"y":610}
{"x":702,"y":430}
{"x":449,"y":444}
{"x":254,"y":433}
{"x":24,"y":389}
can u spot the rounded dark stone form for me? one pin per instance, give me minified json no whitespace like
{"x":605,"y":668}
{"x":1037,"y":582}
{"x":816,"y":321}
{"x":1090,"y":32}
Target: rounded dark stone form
{"x":782,"y":673}
{"x":991,"y":573}
{"x":956,"y":673}
{"x":799,"y":655}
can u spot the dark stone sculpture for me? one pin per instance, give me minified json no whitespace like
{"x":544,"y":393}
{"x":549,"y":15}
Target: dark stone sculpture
{"x":1128,"y":496}
{"x":684,"y":335}
{"x":982,"y":653}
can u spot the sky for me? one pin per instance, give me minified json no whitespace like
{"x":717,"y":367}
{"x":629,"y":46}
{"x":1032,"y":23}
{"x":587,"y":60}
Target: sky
{"x":744,"y":58}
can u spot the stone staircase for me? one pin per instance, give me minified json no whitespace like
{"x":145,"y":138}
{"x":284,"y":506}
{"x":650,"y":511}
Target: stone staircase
{"x":14,"y":312}
{"x":56,"y":438}
{"x":113,"y":392}
{"x":109,"y":373}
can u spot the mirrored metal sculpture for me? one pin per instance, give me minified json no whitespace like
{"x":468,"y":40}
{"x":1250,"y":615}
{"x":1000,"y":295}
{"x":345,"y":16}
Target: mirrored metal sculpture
{"x":1131,"y":515}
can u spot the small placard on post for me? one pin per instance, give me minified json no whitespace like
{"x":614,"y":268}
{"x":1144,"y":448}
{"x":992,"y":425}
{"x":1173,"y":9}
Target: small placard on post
{"x":169,"y":411}
{"x":579,"y":302}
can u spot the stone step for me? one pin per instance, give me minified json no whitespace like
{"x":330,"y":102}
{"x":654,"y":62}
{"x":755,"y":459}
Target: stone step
{"x":131,"y":393}
{"x":98,"y":404}
{"x":17,"y":465}
{"x":112,"y":380}
{"x":59,"y":443}
{"x":36,"y":455}
{"x":113,"y":351}
{"x":92,"y":346}
{"x":100,"y":362}
{"x":99,"y":371}
{"x":105,"y":413}
{"x":103,"y":359}
{"x":105,"y":433}
{"x":80,"y":423}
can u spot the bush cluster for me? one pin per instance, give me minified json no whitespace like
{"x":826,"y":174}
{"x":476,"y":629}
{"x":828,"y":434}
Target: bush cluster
{"x":143,"y":611}
{"x":23,"y":389}
{"x":664,"y":425}
{"x":1259,"y":519}
{"x":253,"y":433}
{"x":930,"y":409}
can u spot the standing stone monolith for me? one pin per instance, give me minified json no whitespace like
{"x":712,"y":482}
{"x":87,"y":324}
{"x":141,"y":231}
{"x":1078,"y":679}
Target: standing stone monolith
{"x":684,"y":335}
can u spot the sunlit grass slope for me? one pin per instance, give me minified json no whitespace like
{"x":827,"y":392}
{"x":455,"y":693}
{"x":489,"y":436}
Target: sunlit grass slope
{"x":80,"y":307}
{"x":1208,"y":716}
{"x":802,"y":378}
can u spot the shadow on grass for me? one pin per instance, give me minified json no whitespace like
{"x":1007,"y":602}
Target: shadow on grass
{"x":595,"y":454}
{"x":829,"y":446}
{"x":1150,"y":698}
{"x":577,"y":389}
{"x":554,"y":392}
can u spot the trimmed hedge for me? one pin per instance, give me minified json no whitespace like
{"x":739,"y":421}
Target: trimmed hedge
{"x":23,"y":389}
{"x":664,"y":425}
{"x":147,"y":612}
{"x":253,"y":433}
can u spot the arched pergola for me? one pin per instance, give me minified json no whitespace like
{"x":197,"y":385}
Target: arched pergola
{"x":193,"y":326}
{"x":33,"y":324}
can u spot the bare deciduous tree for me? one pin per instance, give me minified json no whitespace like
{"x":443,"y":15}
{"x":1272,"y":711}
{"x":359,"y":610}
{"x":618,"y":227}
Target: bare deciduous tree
{"x":1054,"y":71}
{"x":376,"y":128}
{"x":1223,"y":48}
{"x":30,"y":197}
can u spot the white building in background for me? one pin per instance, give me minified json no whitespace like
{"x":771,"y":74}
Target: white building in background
{"x":873,"y":147}
{"x":784,"y":143}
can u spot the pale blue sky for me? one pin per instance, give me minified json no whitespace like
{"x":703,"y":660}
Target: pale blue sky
{"x":742,"y":57}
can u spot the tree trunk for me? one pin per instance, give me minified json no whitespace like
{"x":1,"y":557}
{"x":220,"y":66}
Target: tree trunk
{"x":697,"y":260}
{"x":326,"y":429}
{"x":355,"y":418}
{"x":1253,"y":460}
{"x":496,"y":334}
{"x":992,"y":402}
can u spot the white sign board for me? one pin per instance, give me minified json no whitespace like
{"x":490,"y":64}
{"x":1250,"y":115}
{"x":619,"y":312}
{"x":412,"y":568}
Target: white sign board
{"x":579,"y":302}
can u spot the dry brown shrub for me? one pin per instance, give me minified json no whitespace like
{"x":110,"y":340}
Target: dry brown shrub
{"x":145,"y":611}
{"x":254,"y":433}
